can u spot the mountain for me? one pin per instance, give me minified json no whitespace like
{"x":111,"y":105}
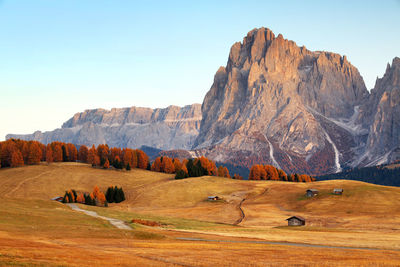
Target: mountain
{"x":382,"y":113}
{"x":277,"y":103}
{"x":168,"y":128}
{"x":273,"y":103}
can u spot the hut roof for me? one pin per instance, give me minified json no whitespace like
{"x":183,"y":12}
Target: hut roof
{"x":297,"y":217}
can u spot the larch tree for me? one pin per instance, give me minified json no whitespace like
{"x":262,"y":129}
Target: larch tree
{"x":57,"y":153}
{"x":17,"y":159}
{"x":83,"y":153}
{"x":156,"y":166}
{"x":168,"y":165}
{"x":106,"y":164}
{"x":35,"y":153}
{"x":49,"y":154}
{"x":142,"y":158}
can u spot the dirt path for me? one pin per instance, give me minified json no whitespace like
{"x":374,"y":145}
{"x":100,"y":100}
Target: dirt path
{"x":242,"y":214}
{"x":115,"y":222}
{"x":273,"y":243}
{"x":24,"y":181}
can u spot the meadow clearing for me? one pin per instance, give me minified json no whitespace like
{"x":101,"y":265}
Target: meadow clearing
{"x":35,"y":231}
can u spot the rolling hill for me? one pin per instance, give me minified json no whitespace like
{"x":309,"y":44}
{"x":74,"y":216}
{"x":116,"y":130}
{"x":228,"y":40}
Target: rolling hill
{"x":30,"y":221}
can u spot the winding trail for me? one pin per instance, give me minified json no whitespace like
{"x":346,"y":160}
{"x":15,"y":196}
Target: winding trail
{"x":17,"y":187}
{"x":115,"y":222}
{"x":242,"y":214}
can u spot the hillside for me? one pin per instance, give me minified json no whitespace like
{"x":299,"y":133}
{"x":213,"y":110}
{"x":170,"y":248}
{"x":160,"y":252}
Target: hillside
{"x":37,"y":231}
{"x":268,"y":203}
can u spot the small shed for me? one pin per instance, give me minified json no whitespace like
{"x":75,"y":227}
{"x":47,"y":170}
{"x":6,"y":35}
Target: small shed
{"x":59,"y":199}
{"x":311,"y":192}
{"x":337,"y":191}
{"x":296,"y":221}
{"x":214,"y":198}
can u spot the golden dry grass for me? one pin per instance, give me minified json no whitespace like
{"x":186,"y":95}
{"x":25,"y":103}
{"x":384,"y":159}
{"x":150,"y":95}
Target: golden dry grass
{"x":37,"y":231}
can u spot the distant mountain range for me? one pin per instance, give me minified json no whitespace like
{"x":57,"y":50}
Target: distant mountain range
{"x":273,"y":103}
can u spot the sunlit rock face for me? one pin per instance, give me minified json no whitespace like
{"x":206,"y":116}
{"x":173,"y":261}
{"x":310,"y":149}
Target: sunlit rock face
{"x":281,"y":104}
{"x":168,"y":128}
{"x":382,"y":113}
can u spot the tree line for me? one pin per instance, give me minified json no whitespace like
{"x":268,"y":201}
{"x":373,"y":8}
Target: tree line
{"x":16,"y":152}
{"x":189,"y":167}
{"x":96,"y":198}
{"x":269,"y":172}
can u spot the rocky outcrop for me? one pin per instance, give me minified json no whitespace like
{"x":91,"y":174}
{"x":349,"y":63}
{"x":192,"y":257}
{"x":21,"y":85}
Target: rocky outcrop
{"x":168,"y":128}
{"x":382,"y":113}
{"x":283,"y":105}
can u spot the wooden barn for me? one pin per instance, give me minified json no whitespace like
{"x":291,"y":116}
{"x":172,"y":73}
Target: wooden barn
{"x":337,"y":191}
{"x":311,"y":192}
{"x":296,"y":221}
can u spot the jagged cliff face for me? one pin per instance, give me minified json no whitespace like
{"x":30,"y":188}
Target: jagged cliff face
{"x":279,"y":103}
{"x":383,"y":114}
{"x":169,"y":128}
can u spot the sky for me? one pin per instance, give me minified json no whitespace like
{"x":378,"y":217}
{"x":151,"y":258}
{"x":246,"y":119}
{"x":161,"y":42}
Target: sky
{"x":61,"y":57}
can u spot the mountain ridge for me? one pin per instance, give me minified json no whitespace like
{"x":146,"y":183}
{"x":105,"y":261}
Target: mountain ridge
{"x":273,"y":103}
{"x":165,"y":128}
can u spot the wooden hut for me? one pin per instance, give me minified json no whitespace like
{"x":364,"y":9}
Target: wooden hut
{"x":311,"y":192}
{"x":337,"y":191}
{"x":296,"y":221}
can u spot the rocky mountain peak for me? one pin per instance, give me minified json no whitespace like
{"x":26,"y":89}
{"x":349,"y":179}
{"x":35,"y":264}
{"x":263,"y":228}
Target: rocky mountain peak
{"x":273,"y":89}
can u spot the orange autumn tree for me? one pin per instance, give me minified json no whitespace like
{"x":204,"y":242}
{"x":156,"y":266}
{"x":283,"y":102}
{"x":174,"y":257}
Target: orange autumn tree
{"x":98,"y":196}
{"x":49,"y":154}
{"x":83,"y":153}
{"x":92,"y":157}
{"x":102,"y":152}
{"x":57,"y":153}
{"x":106,"y":164}
{"x":223,"y":172}
{"x":142,"y":158}
{"x":168,"y":165}
{"x":156,"y":166}
{"x":207,"y":165}
{"x":129,"y":157}
{"x":17,"y":159}
{"x":80,"y":198}
{"x":35,"y":153}
{"x":269,"y":172}
{"x":72,"y":152}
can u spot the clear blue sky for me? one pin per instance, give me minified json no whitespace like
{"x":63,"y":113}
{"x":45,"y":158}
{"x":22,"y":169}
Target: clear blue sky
{"x":59,"y":57}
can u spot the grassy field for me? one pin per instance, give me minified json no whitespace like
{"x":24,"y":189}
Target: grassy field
{"x":35,"y":231}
